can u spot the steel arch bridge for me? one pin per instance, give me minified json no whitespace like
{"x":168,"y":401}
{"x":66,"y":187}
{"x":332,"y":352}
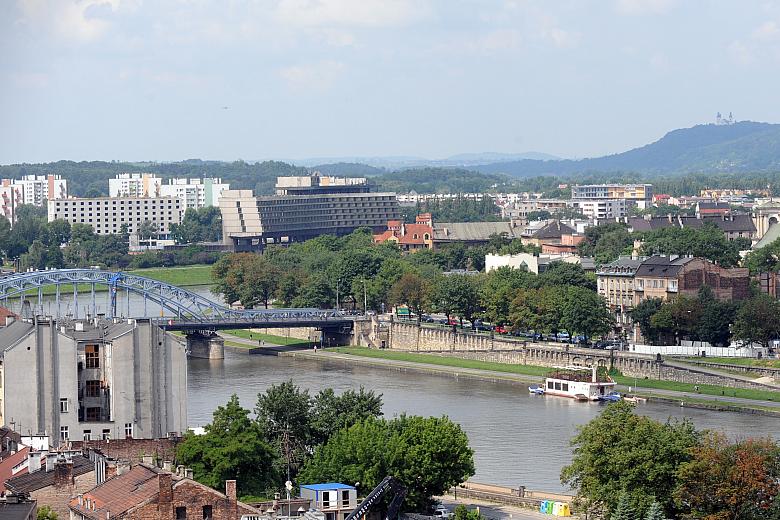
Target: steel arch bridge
{"x":191,"y":309}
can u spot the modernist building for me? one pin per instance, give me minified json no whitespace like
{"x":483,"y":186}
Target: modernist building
{"x":107,"y":215}
{"x":600,"y":209}
{"x":195,"y":193}
{"x":134,"y":185}
{"x":304,"y":208}
{"x":628,"y":192}
{"x":93,"y":379}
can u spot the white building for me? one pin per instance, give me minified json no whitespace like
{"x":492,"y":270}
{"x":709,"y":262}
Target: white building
{"x":134,"y":185}
{"x":11,"y":197}
{"x":107,"y":215}
{"x":527,"y":262}
{"x":32,"y":189}
{"x":598,"y":209}
{"x":195,"y":193}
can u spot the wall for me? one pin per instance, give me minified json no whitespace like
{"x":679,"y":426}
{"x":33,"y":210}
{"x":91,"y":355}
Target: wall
{"x":58,"y":496}
{"x":133,"y":450}
{"x":304,"y":333}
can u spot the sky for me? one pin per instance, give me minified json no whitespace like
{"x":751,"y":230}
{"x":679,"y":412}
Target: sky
{"x":168,"y":80}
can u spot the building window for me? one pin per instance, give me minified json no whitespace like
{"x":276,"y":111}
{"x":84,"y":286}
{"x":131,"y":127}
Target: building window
{"x":181,"y":513}
{"x":106,"y":434}
{"x":93,"y":388}
{"x":63,"y":405}
{"x":93,"y":414}
{"x":344,"y":498}
{"x":128,"y":430}
{"x":93,"y":356}
{"x":87,"y":435}
{"x":64,"y":433}
{"x":207,"y":513}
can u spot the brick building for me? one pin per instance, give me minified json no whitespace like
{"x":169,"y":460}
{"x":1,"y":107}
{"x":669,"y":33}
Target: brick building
{"x":149,"y":493}
{"x":54,"y":486}
{"x":409,"y":237}
{"x":665,"y":277}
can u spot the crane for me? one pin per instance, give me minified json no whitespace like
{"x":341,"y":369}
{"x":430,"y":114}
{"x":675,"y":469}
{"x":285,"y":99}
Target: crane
{"x":388,"y":485}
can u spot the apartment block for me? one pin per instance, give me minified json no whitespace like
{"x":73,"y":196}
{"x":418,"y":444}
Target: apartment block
{"x":628,"y":192}
{"x":30,"y":189}
{"x":600,"y":209}
{"x":93,"y":379}
{"x":107,"y":215}
{"x":134,"y":185}
{"x":195,"y":193}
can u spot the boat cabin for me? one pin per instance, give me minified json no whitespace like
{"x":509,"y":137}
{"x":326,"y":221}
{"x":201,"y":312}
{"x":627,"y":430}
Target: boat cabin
{"x":578,"y":382}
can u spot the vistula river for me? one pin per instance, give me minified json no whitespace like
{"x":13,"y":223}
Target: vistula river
{"x":518,"y":439}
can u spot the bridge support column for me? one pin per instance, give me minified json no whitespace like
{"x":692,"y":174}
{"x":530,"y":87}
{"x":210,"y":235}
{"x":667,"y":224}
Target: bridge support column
{"x":334,"y":337}
{"x":205,"y":346}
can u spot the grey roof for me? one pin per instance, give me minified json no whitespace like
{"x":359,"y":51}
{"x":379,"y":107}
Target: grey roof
{"x":662,"y":266}
{"x":740,"y":223}
{"x":473,"y":231}
{"x":554,"y":229}
{"x":36,"y":480}
{"x":587,"y":263}
{"x":624,"y":265}
{"x":14,"y":332}
{"x":772,"y":234}
{"x":643,"y":224}
{"x":21,"y":511}
{"x":714,"y":205}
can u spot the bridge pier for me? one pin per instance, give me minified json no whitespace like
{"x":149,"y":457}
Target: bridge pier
{"x":205,"y":346}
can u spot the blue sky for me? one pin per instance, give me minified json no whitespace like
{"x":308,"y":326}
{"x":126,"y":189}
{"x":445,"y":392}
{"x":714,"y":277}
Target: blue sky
{"x":148,"y":80}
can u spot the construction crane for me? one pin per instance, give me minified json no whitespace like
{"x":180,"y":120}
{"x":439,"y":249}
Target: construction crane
{"x":388,"y":485}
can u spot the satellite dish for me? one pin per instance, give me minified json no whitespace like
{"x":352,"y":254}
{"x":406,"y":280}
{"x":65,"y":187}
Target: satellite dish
{"x":288,"y":485}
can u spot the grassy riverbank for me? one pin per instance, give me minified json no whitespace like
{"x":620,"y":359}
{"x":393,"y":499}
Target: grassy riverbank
{"x":268,"y":338}
{"x":746,"y":362}
{"x":533,"y":370}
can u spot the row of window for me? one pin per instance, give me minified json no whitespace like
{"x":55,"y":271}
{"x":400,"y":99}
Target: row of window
{"x":557,"y":385}
{"x":207,"y":513}
{"x":87,"y":434}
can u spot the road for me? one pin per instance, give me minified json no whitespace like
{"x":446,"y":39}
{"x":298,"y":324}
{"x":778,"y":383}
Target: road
{"x":495,"y":511}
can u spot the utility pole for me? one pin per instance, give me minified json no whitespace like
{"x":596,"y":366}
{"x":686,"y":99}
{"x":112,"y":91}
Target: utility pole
{"x":365,"y":297}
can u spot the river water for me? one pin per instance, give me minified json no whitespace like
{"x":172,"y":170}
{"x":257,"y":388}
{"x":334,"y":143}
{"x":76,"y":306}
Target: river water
{"x":518,"y":439}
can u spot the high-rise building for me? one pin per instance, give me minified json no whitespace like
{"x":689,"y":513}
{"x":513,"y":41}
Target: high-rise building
{"x":305,"y":208}
{"x":628,"y":192}
{"x":85,"y":379}
{"x":134,"y":185}
{"x":195,"y":193}
{"x":30,"y":189}
{"x":107,"y":215}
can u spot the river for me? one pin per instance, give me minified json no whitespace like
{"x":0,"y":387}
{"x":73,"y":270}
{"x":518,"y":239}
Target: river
{"x":518,"y":439}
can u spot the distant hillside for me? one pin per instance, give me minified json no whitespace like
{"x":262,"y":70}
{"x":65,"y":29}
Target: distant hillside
{"x":348,"y":169}
{"x":440,"y":180}
{"x":742,"y":147}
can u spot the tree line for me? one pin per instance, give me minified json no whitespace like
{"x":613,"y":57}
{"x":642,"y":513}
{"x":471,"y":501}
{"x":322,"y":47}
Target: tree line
{"x":629,"y":467}
{"x":326,"y":438}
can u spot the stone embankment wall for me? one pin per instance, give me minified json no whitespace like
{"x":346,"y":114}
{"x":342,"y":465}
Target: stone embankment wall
{"x":304,"y":333}
{"x":444,"y":342}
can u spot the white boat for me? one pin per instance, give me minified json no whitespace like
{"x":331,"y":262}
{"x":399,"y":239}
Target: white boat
{"x":536,"y":389}
{"x":578,"y":382}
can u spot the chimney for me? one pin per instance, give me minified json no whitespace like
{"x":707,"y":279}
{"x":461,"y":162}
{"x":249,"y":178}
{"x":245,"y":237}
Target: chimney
{"x":49,"y":462}
{"x":63,"y":472}
{"x":148,"y":460}
{"x":167,"y":465}
{"x":111,"y":469}
{"x":81,"y":499}
{"x":187,"y":472}
{"x":122,"y":467}
{"x":166,"y":490}
{"x":230,"y":489}
{"x":33,"y":461}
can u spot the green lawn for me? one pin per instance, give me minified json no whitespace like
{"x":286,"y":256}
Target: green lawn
{"x":748,"y":362}
{"x":180,"y":276}
{"x":268,"y":338}
{"x":533,"y":370}
{"x":530,"y":370}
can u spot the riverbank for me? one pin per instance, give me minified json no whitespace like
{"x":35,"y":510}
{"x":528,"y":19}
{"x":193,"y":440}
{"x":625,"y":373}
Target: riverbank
{"x":525,"y":374}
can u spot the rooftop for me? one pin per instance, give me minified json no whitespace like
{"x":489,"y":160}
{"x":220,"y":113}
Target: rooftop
{"x":473,"y":231}
{"x":326,"y":486}
{"x":20,"y":511}
{"x":42,"y":479}
{"x":658,"y":266}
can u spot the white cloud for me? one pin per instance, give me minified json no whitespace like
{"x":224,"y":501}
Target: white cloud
{"x":643,"y":7}
{"x":312,"y":76}
{"x":767,"y":32}
{"x":561,"y":38}
{"x":740,"y":53}
{"x":73,"y":20}
{"x":356,"y":13}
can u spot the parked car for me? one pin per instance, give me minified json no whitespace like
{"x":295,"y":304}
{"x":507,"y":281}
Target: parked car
{"x":500,"y":329}
{"x":443,"y":512}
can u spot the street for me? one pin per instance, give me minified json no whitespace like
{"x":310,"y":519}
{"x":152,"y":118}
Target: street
{"x":495,"y":511}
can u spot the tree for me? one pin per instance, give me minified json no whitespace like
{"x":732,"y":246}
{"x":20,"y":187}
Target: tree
{"x":463,"y":513}
{"x":642,"y":314}
{"x":706,"y":242}
{"x":606,"y":242}
{"x":566,"y":274}
{"x":46,"y":513}
{"x":427,"y":455}
{"x":59,"y":232}
{"x":147,"y":229}
{"x":624,"y":509}
{"x":232,"y":448}
{"x":412,"y":290}
{"x":714,"y":325}
{"x":331,"y":413}
{"x":655,"y":512}
{"x":758,"y":320}
{"x":730,"y":481}
{"x":538,"y":309}
{"x":499,"y":288}
{"x":457,"y":294}
{"x":283,"y":415}
{"x":585,"y":312}
{"x":621,"y":452}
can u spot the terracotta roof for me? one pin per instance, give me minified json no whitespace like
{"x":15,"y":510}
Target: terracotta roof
{"x":121,"y":493}
{"x":41,"y":479}
{"x":8,"y":462}
{"x":6,"y":313}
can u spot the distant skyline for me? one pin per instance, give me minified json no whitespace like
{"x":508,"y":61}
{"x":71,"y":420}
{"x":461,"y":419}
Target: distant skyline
{"x":169,"y":80}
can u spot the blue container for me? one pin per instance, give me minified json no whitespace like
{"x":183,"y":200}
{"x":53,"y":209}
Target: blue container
{"x":543,"y":506}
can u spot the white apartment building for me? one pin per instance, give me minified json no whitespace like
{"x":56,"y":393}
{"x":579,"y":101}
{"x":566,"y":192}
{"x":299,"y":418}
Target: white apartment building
{"x":11,"y":197}
{"x":195,"y":193}
{"x":134,"y":185}
{"x":598,"y":209}
{"x":36,"y":189}
{"x":107,"y":215}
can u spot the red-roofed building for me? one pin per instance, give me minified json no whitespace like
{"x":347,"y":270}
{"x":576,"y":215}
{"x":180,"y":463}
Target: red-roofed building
{"x":149,"y":493}
{"x":409,"y":237}
{"x":13,"y":464}
{"x":6,"y":317}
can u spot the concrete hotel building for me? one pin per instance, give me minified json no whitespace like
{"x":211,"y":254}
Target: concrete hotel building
{"x":304,"y":207}
{"x":74,"y":380}
{"x":107,"y":215}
